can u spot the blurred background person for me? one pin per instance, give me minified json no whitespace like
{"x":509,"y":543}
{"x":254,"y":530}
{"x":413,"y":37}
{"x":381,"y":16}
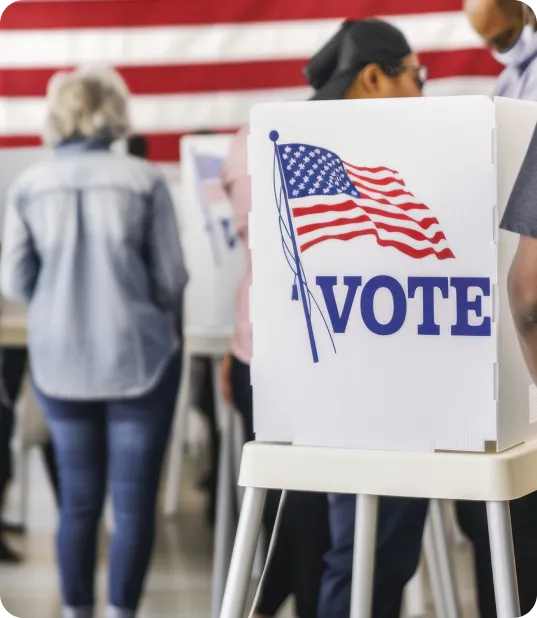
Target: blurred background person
{"x":508,"y":28}
{"x":91,"y":244}
{"x":13,"y":368}
{"x":303,"y":538}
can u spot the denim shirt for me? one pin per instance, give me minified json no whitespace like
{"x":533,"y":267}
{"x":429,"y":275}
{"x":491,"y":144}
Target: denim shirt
{"x":91,"y":243}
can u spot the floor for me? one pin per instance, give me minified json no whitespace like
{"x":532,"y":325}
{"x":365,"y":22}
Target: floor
{"x":179,"y":585}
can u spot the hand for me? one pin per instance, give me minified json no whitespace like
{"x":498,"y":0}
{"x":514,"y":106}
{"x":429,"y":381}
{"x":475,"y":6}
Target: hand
{"x":225,"y":379}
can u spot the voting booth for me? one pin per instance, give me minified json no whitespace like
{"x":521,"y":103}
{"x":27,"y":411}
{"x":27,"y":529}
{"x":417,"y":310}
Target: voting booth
{"x":379,"y":304}
{"x":214,"y":254}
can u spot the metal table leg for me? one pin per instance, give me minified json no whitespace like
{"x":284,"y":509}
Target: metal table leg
{"x":503,"y":560}
{"x":224,"y":529}
{"x":175,"y":465}
{"x":443,"y":557}
{"x":365,"y":542}
{"x":415,"y":596}
{"x":240,"y":571}
{"x":433,"y":571}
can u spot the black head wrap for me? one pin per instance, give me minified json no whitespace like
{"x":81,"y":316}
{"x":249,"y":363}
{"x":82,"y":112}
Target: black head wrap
{"x":353,"y":47}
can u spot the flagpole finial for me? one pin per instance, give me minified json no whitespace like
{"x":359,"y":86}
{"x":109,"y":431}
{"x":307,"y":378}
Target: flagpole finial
{"x":274,"y":136}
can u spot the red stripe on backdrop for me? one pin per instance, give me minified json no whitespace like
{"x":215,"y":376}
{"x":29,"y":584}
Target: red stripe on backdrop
{"x":133,"y":13}
{"x":237,"y":76}
{"x":172,"y":79}
{"x":461,"y":62}
{"x":19,"y":141}
{"x":163,"y":147}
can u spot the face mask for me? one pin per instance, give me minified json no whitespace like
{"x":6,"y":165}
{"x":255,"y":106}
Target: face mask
{"x":520,"y":51}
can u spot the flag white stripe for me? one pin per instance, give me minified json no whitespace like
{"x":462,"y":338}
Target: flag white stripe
{"x":172,"y":113}
{"x":355,"y":227}
{"x":158,"y":114}
{"x":214,"y":43}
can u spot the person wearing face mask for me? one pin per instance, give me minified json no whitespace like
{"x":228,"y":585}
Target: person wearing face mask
{"x":509,"y":29}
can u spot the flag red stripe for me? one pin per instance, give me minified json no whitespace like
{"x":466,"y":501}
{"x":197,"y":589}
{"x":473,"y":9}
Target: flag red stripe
{"x":319,"y":209}
{"x":445,"y":254}
{"x":139,"y":13}
{"x":425,"y":224}
{"x":372,"y":170}
{"x":232,"y":76}
{"x":414,"y":234}
{"x":19,"y":141}
{"x":178,"y":79}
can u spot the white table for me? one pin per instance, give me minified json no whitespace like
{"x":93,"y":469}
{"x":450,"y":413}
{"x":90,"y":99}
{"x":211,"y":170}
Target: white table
{"x":492,"y":478}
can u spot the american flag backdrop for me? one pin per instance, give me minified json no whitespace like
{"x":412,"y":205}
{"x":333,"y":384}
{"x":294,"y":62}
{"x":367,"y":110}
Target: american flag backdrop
{"x":331,"y":199}
{"x":201,"y":64}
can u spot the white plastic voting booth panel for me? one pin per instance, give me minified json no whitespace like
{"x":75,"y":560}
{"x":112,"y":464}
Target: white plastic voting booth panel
{"x":13,"y":161}
{"x":378,"y":301}
{"x":213,"y":252}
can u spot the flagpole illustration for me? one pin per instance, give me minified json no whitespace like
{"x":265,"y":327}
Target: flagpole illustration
{"x":274,"y":136}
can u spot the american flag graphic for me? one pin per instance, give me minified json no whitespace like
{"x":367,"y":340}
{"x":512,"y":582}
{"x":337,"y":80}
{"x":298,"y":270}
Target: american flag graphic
{"x":331,"y":199}
{"x":201,"y":65}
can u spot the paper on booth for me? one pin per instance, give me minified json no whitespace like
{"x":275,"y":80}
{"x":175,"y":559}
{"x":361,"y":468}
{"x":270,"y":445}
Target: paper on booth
{"x":374,"y":282}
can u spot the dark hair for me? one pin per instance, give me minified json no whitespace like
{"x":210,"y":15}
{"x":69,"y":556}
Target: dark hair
{"x":352,"y":48}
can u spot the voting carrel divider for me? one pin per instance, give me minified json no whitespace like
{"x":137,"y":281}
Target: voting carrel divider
{"x":382,"y":332}
{"x":215,"y":262}
{"x":213,"y":253}
{"x":395,"y":332}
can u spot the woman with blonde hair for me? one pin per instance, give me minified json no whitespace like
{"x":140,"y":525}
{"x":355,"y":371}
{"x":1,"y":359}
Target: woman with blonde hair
{"x":91,"y":244}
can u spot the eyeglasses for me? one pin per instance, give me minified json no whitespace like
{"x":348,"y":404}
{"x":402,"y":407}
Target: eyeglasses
{"x":422,"y":73}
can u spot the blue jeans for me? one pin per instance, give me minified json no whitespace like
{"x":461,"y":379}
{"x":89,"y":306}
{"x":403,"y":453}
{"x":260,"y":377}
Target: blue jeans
{"x":122,"y":443}
{"x":400,"y":530}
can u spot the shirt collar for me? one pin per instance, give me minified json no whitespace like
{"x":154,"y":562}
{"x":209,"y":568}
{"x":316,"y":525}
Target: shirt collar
{"x":77,"y":146}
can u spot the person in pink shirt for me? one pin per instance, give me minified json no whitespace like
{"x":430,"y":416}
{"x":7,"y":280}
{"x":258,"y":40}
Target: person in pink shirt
{"x":297,"y":566}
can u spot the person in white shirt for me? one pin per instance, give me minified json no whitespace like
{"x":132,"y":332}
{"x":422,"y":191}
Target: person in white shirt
{"x":508,"y":28}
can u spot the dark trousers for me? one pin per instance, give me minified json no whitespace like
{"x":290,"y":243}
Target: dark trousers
{"x":207,"y":407}
{"x":121,"y":442}
{"x":297,"y":566}
{"x":400,"y":531}
{"x":13,"y":363}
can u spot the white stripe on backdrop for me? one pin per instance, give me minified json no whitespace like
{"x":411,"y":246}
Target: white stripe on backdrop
{"x":213,"y":44}
{"x":187,"y":112}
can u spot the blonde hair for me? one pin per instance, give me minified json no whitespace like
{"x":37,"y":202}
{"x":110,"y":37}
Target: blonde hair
{"x":86,"y":104}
